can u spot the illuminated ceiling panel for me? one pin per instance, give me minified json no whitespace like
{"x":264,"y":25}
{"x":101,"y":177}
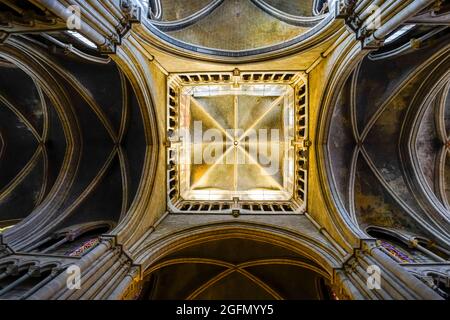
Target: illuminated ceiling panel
{"x":237,"y":142}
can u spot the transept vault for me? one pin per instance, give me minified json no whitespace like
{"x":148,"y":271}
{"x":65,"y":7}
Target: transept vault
{"x":225,"y":149}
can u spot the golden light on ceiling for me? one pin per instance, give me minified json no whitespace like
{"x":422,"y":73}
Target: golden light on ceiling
{"x":235,"y":138}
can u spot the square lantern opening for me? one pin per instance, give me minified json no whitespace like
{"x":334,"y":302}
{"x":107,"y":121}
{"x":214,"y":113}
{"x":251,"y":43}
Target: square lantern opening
{"x":234,"y":142}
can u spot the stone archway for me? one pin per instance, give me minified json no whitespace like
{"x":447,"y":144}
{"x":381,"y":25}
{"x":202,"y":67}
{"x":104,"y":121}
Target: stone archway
{"x":237,"y":259}
{"x":236,"y":268}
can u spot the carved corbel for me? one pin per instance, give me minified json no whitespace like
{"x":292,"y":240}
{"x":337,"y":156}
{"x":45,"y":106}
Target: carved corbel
{"x":367,"y":245}
{"x":343,"y":8}
{"x":108,"y":47}
{"x":371,"y":43}
{"x":353,"y":22}
{"x":34,"y":271}
{"x":114,"y":39}
{"x":416,"y":43}
{"x":131,"y":11}
{"x":109,"y":241}
{"x":350,"y":265}
{"x":307,"y":143}
{"x":135,"y":288}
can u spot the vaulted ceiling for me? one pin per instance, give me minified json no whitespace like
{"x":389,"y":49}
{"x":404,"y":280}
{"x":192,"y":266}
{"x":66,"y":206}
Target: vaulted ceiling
{"x":87,"y":172}
{"x":236,"y":269}
{"x":213,"y":24}
{"x":388,"y":139}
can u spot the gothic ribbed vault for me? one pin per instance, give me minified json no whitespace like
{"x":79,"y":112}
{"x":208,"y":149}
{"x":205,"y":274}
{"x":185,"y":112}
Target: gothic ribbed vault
{"x":96,"y":175}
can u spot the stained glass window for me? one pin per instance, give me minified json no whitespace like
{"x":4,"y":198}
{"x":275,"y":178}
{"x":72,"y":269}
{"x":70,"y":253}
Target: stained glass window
{"x":396,"y":252}
{"x":85,"y":247}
